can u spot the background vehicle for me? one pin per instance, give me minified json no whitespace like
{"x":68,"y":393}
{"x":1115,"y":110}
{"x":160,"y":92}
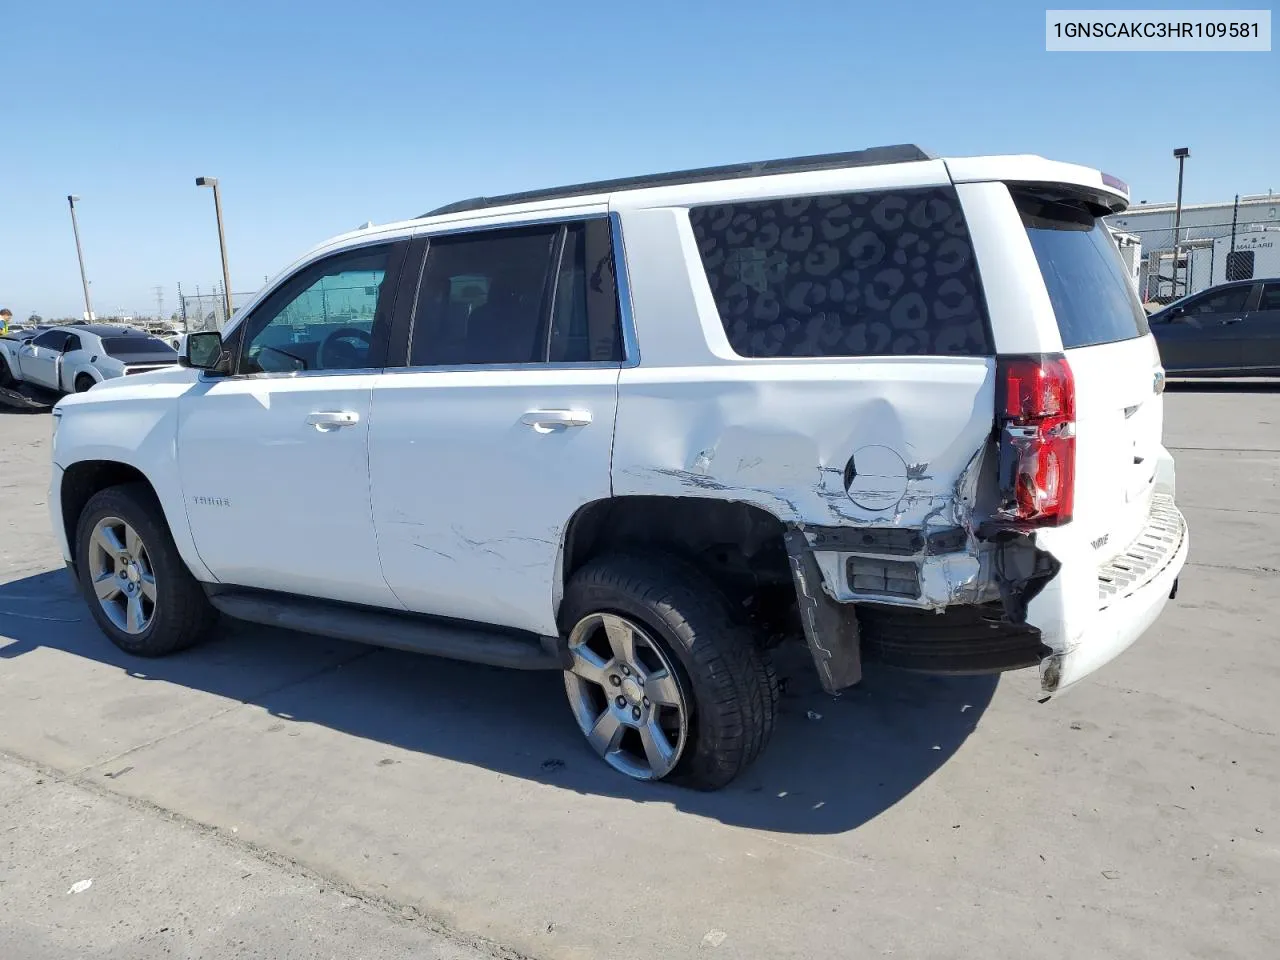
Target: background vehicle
{"x":1229,"y":330}
{"x":74,"y":358}
{"x":640,"y":431}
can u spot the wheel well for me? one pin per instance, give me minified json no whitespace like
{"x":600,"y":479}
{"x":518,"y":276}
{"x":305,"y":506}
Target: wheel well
{"x":82,"y":480}
{"x":738,"y":545}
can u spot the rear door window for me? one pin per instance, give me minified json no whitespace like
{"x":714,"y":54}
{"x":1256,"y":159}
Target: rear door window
{"x":1088,"y":286}
{"x":527,"y":295}
{"x":135,"y":346}
{"x":1270,"y":297}
{"x":880,"y":273}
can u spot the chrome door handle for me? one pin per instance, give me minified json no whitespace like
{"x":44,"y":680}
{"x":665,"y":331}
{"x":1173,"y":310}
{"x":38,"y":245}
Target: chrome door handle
{"x":325,"y":420}
{"x":544,"y":421}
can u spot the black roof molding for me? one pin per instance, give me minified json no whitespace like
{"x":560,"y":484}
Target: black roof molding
{"x":870,"y":157}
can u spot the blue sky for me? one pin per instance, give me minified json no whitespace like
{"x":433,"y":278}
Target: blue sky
{"x":319,"y":116}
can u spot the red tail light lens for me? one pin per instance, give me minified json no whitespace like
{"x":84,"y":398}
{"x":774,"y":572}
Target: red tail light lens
{"x":1036,"y":408}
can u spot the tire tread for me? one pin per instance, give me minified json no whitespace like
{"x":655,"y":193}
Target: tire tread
{"x":185,"y":615}
{"x":735,"y":689}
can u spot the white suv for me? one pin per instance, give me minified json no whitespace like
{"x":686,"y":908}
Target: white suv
{"x":904,"y":408}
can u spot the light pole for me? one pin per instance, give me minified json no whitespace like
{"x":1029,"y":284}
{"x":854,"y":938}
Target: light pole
{"x":1181,"y":153}
{"x":84,"y":278}
{"x":222,"y":241}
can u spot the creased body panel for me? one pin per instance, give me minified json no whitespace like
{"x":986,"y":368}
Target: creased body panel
{"x":873,"y":443}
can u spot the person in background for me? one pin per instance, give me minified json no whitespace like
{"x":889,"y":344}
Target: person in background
{"x":5,"y":316}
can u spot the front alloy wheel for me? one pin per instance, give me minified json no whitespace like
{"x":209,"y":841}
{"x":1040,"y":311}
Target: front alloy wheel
{"x":122,"y":576}
{"x":625,"y":696}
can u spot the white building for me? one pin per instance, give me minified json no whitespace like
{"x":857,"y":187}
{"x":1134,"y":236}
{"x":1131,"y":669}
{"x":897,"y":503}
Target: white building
{"x":1202,"y":261}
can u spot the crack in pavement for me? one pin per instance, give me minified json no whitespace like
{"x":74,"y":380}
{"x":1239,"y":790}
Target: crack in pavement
{"x":1225,"y":449}
{"x":1190,"y":706}
{"x":393,"y":910}
{"x":1233,"y":567}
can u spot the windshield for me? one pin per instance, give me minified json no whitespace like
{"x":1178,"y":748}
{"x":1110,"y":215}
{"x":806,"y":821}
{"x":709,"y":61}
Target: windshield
{"x":133,"y":346}
{"x":1091,"y":294}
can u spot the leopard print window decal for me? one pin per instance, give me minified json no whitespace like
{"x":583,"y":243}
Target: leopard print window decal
{"x":860,"y":274}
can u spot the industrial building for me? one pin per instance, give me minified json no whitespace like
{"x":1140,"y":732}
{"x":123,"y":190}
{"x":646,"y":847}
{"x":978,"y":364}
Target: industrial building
{"x":1228,"y":240}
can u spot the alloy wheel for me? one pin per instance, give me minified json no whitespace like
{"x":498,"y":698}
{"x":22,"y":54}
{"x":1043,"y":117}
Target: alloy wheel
{"x":626,"y":697}
{"x":122,"y":576}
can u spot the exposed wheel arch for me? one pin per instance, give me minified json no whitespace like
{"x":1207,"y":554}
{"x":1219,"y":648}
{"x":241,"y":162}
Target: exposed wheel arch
{"x":82,"y":480}
{"x":738,"y":545}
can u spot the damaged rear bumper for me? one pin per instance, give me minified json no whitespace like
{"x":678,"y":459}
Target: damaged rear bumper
{"x":1088,"y":621}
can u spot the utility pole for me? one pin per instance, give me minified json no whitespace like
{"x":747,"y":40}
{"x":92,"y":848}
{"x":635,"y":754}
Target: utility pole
{"x":1181,"y":153}
{"x":84,"y":277}
{"x":222,"y":241}
{"x":159,"y":301}
{"x":1235,"y":215}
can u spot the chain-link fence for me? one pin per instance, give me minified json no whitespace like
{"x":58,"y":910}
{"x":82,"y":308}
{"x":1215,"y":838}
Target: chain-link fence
{"x":208,"y":311}
{"x":1216,"y":243}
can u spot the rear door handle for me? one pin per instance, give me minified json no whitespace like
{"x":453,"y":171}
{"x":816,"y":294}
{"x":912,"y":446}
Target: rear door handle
{"x":544,"y":421}
{"x":326,"y":420}
{"x":1227,"y":323}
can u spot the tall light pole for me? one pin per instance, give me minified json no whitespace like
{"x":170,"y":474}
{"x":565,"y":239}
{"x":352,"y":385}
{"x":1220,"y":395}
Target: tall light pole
{"x":1181,"y":153}
{"x":222,"y":241}
{"x":84,"y":277}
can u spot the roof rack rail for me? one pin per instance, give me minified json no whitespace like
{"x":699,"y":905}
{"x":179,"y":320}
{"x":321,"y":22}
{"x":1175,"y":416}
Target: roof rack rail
{"x":872,"y":156}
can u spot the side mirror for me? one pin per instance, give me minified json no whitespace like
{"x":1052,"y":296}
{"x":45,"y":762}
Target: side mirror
{"x":205,"y":352}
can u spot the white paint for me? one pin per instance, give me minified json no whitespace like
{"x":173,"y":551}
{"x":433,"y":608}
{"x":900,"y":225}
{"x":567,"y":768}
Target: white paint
{"x":448,"y":491}
{"x":297,"y":515}
{"x":1029,"y":168}
{"x":470,"y":500}
{"x":1022,"y":319}
{"x":54,"y":369}
{"x":80,"y":886}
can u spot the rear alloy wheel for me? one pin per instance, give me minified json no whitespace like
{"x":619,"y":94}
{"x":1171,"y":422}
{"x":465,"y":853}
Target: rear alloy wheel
{"x":139,"y":590}
{"x":664,"y":681}
{"x":625,"y":696}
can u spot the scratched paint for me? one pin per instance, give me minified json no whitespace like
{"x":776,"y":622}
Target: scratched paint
{"x":858,"y":443}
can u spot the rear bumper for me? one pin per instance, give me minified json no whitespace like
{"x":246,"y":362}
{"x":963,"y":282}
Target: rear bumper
{"x":1124,"y":598}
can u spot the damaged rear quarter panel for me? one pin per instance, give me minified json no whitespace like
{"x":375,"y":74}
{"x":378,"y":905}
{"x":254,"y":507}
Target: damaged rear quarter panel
{"x":882,"y":442}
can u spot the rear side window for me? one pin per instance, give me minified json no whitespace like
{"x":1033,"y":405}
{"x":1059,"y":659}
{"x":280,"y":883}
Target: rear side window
{"x":134,"y":346}
{"x":881,"y":273}
{"x":1082,"y":270}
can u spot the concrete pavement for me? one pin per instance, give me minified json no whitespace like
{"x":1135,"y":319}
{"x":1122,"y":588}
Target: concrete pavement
{"x":1138,"y":815}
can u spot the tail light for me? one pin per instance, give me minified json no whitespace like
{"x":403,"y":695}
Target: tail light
{"x":1036,"y":418}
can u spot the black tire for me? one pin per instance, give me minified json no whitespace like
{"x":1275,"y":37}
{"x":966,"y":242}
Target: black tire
{"x":6,"y":375}
{"x":84,"y":382}
{"x":183,"y":615}
{"x":734,"y":689}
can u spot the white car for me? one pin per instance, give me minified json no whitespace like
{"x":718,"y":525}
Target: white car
{"x":74,"y":358}
{"x":890,"y":406}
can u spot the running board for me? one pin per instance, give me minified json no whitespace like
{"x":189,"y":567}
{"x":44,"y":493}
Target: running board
{"x":417,"y":634}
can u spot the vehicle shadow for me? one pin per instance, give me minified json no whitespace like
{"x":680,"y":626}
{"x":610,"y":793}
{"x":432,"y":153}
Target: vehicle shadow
{"x":1222,"y":386}
{"x":834,"y":762}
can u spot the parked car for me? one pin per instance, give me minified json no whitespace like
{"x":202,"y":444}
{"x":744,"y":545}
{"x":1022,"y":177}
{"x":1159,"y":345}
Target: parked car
{"x":1232,"y":329}
{"x":74,"y":358}
{"x":886,"y":405}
